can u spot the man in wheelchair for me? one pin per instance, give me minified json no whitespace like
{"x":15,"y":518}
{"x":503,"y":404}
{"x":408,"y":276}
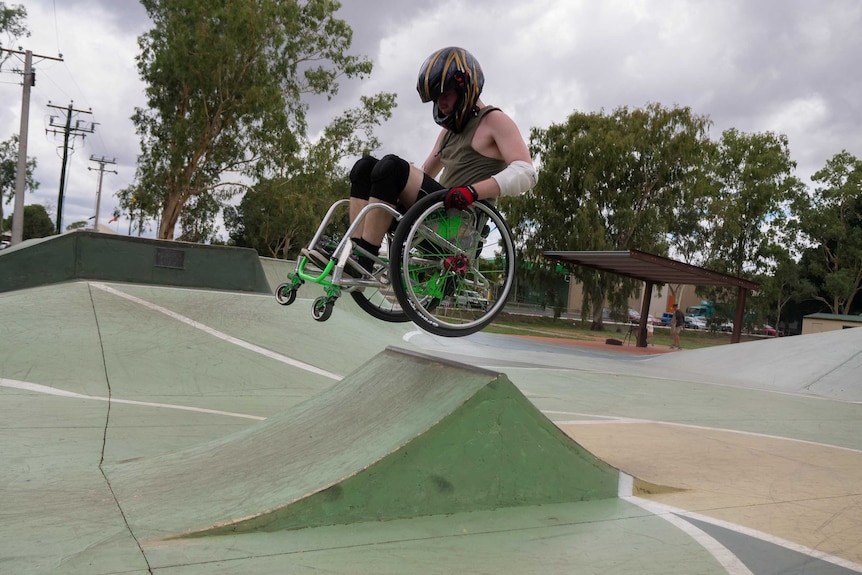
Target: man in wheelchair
{"x":479,"y":151}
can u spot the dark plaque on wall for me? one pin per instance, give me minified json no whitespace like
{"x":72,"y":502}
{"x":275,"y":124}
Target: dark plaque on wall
{"x":167,"y":258}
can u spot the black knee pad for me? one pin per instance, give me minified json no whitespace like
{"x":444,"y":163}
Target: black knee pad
{"x":388,"y":178}
{"x":360,"y":177}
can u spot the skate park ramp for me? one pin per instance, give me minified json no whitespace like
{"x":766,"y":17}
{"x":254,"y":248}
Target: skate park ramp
{"x":155,"y":429}
{"x":403,"y":436}
{"x":826,"y":365}
{"x":86,"y":254}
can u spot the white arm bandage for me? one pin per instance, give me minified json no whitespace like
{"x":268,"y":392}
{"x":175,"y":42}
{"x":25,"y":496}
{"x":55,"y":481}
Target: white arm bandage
{"x":517,"y":178}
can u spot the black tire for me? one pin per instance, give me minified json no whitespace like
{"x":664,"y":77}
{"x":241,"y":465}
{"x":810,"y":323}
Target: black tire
{"x":380,"y":304}
{"x":440,"y":256}
{"x":321,"y":309}
{"x":285,"y":294}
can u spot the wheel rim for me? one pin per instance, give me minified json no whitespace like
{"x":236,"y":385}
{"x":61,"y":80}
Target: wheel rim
{"x":321,"y":309}
{"x":451,"y":261}
{"x":285,"y":294}
{"x":380,"y":303}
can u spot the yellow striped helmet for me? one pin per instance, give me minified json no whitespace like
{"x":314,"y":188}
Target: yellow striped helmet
{"x":451,"y":68}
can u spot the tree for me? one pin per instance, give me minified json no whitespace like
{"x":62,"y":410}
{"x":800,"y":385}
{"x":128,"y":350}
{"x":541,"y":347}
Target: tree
{"x":752,"y":185}
{"x":12,"y":26}
{"x":79,"y":225}
{"x":610,"y":182}
{"x":830,"y":222}
{"x":225,"y":82}
{"x":280,"y":215}
{"x":781,"y":284}
{"x":8,"y":171}
{"x":12,"y":18}
{"x":37,"y":222}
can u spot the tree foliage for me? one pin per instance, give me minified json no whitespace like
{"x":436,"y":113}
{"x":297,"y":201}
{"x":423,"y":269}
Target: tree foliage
{"x":781,"y":283}
{"x":37,"y":222}
{"x":829,"y":221}
{"x":614,"y":181}
{"x":280,"y":215}
{"x":752,"y":182}
{"x":741,"y":226}
{"x":12,"y":25}
{"x":8,"y":171}
{"x":225,"y":82}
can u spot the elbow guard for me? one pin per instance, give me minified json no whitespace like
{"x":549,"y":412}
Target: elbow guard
{"x":517,"y":178}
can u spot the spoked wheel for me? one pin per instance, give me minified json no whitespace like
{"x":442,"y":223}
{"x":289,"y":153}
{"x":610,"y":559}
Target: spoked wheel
{"x":321,"y":309}
{"x":456,"y":268}
{"x":285,"y":294}
{"x":381,"y":303}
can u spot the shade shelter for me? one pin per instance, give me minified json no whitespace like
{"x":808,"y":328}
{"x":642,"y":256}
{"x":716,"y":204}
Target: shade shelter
{"x":658,"y":270}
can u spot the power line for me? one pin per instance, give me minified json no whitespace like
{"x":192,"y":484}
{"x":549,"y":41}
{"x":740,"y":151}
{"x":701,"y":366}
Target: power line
{"x":102,"y":162}
{"x":29,"y":76}
{"x":69,"y":132}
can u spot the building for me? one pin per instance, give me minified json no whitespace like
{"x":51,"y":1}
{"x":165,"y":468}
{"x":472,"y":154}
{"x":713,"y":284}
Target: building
{"x":820,"y":322}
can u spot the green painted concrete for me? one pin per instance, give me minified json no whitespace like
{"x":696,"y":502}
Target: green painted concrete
{"x":98,"y":256}
{"x":402,"y":436}
{"x":59,"y":515}
{"x":607,"y":537}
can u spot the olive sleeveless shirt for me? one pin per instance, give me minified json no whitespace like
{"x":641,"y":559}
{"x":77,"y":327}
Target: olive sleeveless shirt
{"x":464,"y":165}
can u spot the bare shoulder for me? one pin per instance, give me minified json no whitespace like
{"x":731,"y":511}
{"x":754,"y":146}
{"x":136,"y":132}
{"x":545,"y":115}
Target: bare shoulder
{"x":499,"y":137}
{"x":499,"y":120}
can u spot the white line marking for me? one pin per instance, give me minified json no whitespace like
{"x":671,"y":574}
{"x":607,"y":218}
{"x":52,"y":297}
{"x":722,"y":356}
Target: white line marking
{"x":615,"y":420}
{"x":410,"y":335}
{"x":220,"y":335}
{"x":731,"y":563}
{"x":718,"y":551}
{"x":37,"y":388}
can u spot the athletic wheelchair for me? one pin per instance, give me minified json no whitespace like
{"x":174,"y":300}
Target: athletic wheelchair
{"x":448,"y":271}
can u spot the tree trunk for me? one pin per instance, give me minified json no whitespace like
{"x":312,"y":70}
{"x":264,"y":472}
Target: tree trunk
{"x":170,"y":216}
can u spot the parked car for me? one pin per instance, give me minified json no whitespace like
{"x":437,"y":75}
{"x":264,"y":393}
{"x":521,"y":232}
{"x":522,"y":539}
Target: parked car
{"x":634,"y":316}
{"x":770,"y":331}
{"x":666,"y":318}
{"x":695,"y":322}
{"x":726,"y":326}
{"x":471,"y":299}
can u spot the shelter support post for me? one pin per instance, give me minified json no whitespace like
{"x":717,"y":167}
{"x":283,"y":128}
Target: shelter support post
{"x":739,"y":314}
{"x":642,"y":329}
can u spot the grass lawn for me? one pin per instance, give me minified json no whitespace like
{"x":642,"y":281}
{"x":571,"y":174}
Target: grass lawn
{"x":517,"y":324}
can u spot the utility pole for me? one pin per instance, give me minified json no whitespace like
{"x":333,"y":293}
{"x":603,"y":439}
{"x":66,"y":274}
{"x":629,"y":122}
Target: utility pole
{"x":101,"y":161}
{"x":21,"y":170}
{"x":80,"y":129}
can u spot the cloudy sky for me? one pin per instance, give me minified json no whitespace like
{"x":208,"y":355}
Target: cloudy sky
{"x":785,"y":66}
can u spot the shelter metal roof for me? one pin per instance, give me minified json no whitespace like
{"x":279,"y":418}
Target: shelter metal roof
{"x":650,"y":267}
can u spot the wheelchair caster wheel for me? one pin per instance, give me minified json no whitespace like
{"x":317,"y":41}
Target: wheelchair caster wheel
{"x":321,"y":309}
{"x":285,"y":294}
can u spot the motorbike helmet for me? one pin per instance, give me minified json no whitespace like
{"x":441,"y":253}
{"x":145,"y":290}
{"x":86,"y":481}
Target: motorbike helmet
{"x":451,"y":68}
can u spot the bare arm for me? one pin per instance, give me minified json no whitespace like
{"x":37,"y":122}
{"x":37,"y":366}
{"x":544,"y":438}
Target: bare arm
{"x":432,"y":164}
{"x":499,"y":138}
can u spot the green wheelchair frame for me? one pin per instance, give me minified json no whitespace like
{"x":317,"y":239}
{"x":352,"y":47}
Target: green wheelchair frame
{"x":448,"y":271}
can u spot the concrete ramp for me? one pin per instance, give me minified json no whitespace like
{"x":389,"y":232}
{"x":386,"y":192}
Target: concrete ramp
{"x":405,"y":435}
{"x":822,"y":364}
{"x":84,"y":254}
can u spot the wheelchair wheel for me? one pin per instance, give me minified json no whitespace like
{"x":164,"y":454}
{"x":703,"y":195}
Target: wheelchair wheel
{"x":456,"y":268}
{"x":285,"y":294}
{"x":321,"y":308}
{"x":380,"y":303}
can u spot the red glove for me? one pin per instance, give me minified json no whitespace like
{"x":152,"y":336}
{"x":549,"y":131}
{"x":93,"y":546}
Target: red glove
{"x":460,"y":198}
